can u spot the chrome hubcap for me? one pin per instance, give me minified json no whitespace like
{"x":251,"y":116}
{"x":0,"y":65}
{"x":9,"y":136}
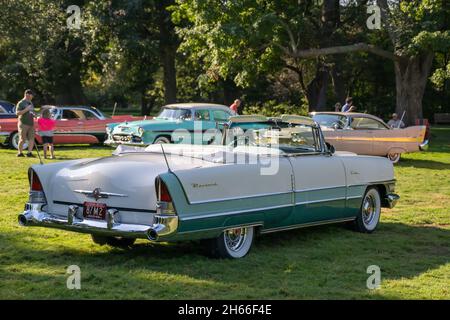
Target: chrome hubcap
{"x":235,"y":238}
{"x":369,"y":208}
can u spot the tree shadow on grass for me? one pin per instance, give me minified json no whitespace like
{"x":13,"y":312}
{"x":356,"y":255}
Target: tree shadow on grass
{"x":320,"y":262}
{"x":423,"y":164}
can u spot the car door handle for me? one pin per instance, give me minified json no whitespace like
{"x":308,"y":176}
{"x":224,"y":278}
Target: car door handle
{"x":354,"y":172}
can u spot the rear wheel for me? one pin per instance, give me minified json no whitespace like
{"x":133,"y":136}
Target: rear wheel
{"x":394,"y":157}
{"x":119,"y":242}
{"x":232,"y":243}
{"x":369,"y":214}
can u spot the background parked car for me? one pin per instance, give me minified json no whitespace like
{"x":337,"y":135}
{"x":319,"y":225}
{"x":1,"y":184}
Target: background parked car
{"x":7,"y":110}
{"x":189,"y":116}
{"x":363,"y":133}
{"x":74,"y":125}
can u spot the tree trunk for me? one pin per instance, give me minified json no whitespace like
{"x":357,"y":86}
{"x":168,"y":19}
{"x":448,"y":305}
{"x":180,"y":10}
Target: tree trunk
{"x":316,"y":92}
{"x":144,"y":104}
{"x":168,"y":44}
{"x":411,"y":75}
{"x":68,"y":89}
{"x":338,"y":82}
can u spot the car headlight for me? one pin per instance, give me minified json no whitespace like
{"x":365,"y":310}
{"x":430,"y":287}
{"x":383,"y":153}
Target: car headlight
{"x":140,"y":132}
{"x":108,"y":130}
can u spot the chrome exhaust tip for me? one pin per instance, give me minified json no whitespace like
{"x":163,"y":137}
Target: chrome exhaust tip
{"x":23,"y":221}
{"x":152,"y":235}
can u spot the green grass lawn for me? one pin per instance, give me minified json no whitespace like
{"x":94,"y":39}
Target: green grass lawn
{"x":411,"y":246}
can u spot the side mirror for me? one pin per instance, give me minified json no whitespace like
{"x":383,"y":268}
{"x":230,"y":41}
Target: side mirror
{"x":330,"y":148}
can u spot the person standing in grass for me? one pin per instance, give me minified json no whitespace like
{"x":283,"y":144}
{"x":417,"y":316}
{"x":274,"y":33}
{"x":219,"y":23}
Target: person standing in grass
{"x":25,"y":125}
{"x":46,"y":127}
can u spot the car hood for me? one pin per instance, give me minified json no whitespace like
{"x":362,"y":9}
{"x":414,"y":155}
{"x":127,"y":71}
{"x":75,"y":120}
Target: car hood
{"x":153,"y":124}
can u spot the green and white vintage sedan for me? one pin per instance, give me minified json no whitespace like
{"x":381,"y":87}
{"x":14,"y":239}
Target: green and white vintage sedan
{"x":191,"y":118}
{"x":280,"y":175}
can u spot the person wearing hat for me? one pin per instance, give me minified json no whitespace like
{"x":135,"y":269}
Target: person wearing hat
{"x":395,"y":122}
{"x":25,"y":125}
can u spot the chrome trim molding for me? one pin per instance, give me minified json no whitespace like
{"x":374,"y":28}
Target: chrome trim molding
{"x":354,"y":197}
{"x":316,"y":189}
{"x":308,"y":224}
{"x":98,"y":194}
{"x":255,"y":224}
{"x":242,"y":197}
{"x":321,"y":200}
{"x":233,"y":212}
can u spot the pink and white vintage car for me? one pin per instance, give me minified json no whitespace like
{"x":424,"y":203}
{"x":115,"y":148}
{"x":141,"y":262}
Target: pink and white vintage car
{"x":363,"y":133}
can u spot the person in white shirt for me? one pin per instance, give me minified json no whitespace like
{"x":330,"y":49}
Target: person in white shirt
{"x":395,"y":122}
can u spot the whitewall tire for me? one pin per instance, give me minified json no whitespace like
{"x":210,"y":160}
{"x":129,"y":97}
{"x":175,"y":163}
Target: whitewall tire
{"x":233,"y":243}
{"x":369,"y":214}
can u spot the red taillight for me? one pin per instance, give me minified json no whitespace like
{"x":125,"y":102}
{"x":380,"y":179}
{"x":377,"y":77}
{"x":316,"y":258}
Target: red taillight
{"x":162,"y":192}
{"x":35,"y":183}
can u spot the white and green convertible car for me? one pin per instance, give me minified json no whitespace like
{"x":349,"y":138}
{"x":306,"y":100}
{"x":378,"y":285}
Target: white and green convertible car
{"x":279,"y":175}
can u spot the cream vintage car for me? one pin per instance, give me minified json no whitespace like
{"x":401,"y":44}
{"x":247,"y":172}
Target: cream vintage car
{"x":224,"y":193}
{"x":363,"y":133}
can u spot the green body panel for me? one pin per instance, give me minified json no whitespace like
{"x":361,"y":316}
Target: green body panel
{"x":207,"y":220}
{"x":157,"y":127}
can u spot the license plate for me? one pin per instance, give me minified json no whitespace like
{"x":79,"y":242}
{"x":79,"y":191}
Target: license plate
{"x":94,"y":210}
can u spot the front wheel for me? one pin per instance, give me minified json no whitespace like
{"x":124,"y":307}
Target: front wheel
{"x":369,"y":214}
{"x":161,"y":140}
{"x":233,"y":243}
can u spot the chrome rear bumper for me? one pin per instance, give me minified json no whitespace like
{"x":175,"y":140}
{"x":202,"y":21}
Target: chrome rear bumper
{"x":424,"y":145}
{"x":163,"y":227}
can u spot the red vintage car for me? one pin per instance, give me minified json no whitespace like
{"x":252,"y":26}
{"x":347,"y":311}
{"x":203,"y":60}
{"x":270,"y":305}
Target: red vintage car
{"x":74,"y":125}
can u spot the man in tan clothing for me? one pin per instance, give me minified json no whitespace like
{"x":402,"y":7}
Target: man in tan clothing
{"x":25,"y":125}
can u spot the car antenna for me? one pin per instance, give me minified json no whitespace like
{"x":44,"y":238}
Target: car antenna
{"x":39,"y":155}
{"x":165,"y":157}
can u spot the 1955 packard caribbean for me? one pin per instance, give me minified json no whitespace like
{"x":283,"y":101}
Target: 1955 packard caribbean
{"x":224,"y":194}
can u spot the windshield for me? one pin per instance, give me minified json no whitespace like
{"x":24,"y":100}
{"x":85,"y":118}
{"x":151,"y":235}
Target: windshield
{"x":330,"y":120}
{"x":174,"y":114}
{"x":288,"y":138}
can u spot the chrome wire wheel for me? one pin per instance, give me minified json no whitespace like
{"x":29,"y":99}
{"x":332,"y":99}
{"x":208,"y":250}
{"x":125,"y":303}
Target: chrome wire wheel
{"x":368,"y":209}
{"x":235,"y":238}
{"x":371,"y":209}
{"x":234,"y":243}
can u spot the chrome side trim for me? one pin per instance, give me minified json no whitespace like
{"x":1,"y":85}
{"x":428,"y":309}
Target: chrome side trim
{"x":321,"y":200}
{"x":255,"y":224}
{"x":315,"y":189}
{"x":232,"y":212}
{"x":354,"y":197}
{"x":242,"y":197}
{"x":309,"y":224}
